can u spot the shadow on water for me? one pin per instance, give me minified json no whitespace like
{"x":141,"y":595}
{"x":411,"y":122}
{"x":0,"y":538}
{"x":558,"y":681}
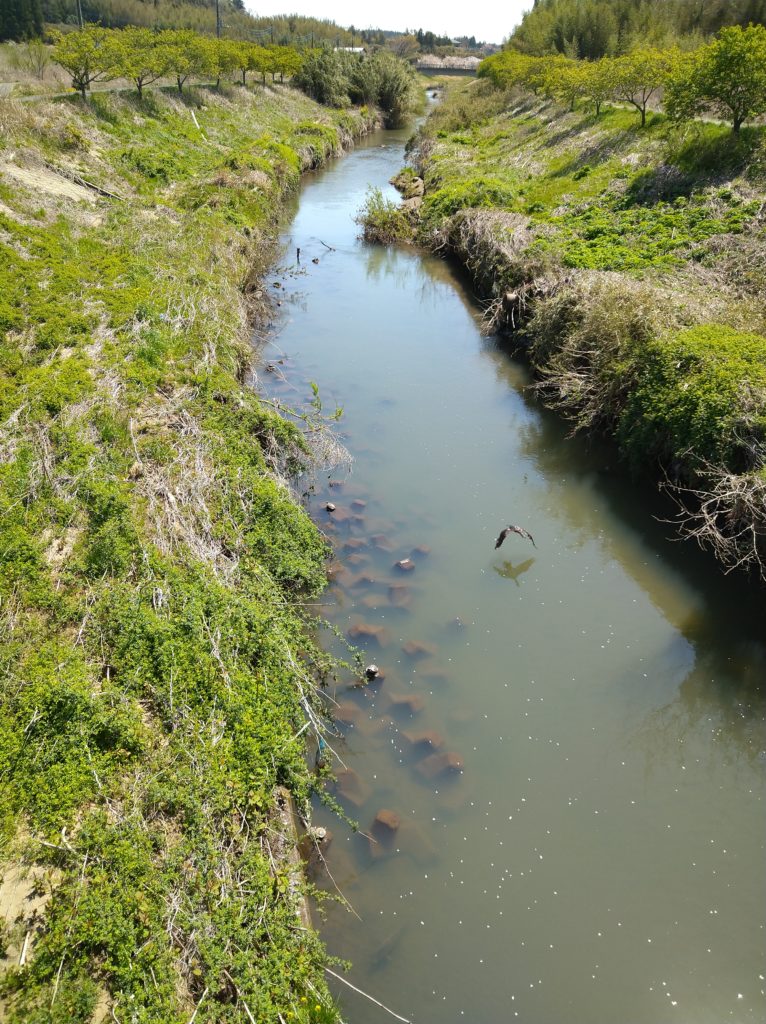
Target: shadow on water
{"x":725,"y":605}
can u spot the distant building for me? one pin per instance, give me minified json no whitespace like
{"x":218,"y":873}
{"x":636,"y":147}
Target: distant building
{"x":349,"y":49}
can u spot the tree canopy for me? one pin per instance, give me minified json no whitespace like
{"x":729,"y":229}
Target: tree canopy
{"x":599,"y":28}
{"x":725,"y":77}
{"x":20,"y":19}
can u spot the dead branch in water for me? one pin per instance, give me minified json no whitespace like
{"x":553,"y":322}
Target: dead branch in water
{"x":366,"y":996}
{"x":727,"y":516}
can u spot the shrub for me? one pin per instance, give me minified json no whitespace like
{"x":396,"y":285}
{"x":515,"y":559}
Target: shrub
{"x":471,"y":193}
{"x":702,"y":394}
{"x":383,"y":220}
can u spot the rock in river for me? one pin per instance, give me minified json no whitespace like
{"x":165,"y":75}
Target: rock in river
{"x":441,"y":764}
{"x":369,"y":633}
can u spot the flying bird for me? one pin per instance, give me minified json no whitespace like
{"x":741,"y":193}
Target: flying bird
{"x":514,"y":529}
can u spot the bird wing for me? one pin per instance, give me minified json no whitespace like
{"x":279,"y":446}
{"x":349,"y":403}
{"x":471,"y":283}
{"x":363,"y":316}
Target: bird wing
{"x":515,"y":529}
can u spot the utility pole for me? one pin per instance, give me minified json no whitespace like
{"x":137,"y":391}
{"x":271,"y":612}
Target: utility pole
{"x":217,"y":18}
{"x":79,"y":14}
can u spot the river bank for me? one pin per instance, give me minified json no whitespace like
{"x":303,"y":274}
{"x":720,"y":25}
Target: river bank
{"x":630,"y":266}
{"x":158,"y":666}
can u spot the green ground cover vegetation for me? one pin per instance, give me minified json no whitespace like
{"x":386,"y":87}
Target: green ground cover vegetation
{"x":630,"y":263}
{"x":157,"y":662}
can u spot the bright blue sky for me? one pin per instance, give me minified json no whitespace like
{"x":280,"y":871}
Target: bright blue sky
{"x":488,"y":20}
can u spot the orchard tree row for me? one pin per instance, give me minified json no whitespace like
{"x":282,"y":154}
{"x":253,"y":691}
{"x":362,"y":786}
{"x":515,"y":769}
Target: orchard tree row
{"x":142,"y":56}
{"x":725,"y":78}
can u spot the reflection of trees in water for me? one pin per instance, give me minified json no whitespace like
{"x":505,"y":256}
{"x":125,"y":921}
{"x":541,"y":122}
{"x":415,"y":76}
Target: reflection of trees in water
{"x":431,"y":280}
{"x":509,"y":571}
{"x":722,"y":697}
{"x":628,"y":520}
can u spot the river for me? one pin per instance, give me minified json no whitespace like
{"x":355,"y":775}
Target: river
{"x":571,"y":735}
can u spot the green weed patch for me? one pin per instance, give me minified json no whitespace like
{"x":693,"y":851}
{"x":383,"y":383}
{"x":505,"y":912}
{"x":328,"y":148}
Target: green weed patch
{"x":156,"y":661}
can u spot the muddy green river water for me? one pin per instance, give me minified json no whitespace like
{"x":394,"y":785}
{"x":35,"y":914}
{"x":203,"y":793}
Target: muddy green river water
{"x":570,"y":736}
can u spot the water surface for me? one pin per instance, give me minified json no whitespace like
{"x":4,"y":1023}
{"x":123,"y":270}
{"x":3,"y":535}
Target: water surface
{"x":599,"y":858}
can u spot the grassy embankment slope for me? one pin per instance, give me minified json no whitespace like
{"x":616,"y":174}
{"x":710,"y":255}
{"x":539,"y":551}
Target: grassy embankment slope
{"x":156,"y":665}
{"x":631,"y":265}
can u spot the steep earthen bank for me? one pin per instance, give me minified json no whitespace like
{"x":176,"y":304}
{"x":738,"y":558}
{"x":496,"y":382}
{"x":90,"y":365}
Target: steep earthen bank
{"x":630,"y":267}
{"x":158,"y":666}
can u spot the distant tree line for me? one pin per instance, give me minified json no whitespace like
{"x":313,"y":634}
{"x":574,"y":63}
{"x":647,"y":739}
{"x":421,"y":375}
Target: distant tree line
{"x":607,"y":28}
{"x":25,"y":19}
{"x":20,"y":19}
{"x":142,"y":56}
{"x":428,"y":41}
{"x":726,"y":77}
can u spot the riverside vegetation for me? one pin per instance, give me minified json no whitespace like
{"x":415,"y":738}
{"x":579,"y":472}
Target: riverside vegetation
{"x":629,"y":262}
{"x":158,"y":664}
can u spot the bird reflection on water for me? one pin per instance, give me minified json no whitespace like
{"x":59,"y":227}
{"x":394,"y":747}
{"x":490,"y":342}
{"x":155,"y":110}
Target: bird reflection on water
{"x":510,"y":571}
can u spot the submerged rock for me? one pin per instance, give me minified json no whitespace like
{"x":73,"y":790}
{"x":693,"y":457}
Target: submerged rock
{"x":386,"y":822}
{"x":425,"y":739}
{"x":354,"y":543}
{"x":381,"y":542}
{"x":441,"y":764}
{"x":408,"y":702}
{"x":399,"y":594}
{"x":350,"y":787}
{"x":368,"y":632}
{"x":418,"y":649}
{"x":347,"y":713}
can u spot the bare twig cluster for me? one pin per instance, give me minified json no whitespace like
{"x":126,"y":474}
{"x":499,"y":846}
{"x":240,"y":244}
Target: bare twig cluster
{"x":728,"y":516}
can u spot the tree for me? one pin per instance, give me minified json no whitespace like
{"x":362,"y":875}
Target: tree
{"x":640,"y":75}
{"x":727,"y":77}
{"x":33,"y":56}
{"x":285,"y":60}
{"x":89,"y":55}
{"x":143,"y":56}
{"x":189,"y":55}
{"x":223,"y":58}
{"x":567,"y":80}
{"x":242,"y":55}
{"x":20,"y":19}
{"x":599,"y":81}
